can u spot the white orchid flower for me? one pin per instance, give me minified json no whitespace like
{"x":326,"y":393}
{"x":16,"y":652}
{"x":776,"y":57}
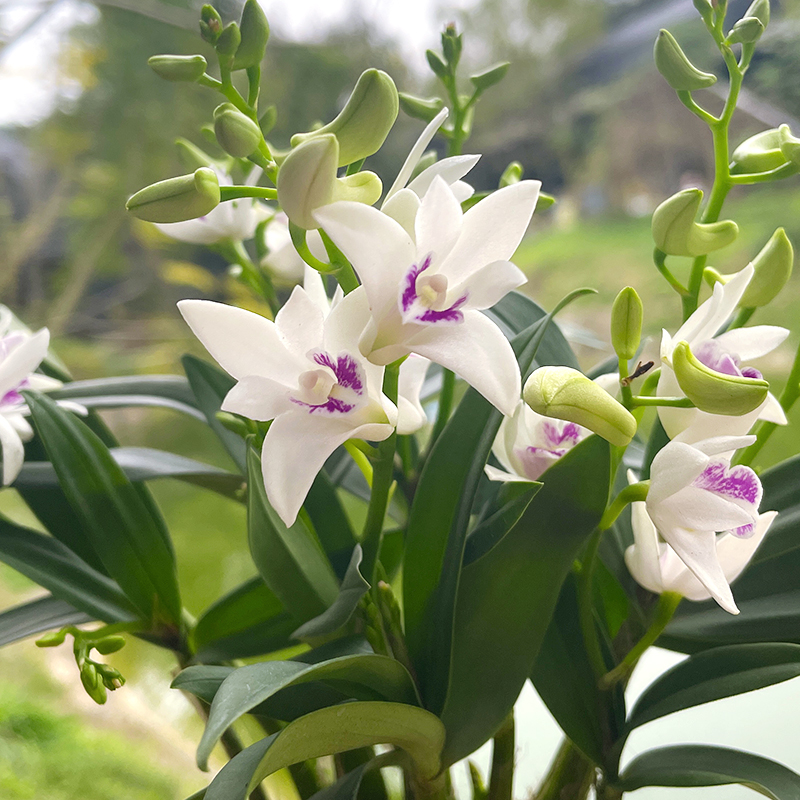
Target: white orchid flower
{"x":724,"y":353}
{"x":233,"y":220}
{"x":527,"y":444}
{"x":425,"y":294}
{"x":694,"y":494}
{"x":305,"y":373}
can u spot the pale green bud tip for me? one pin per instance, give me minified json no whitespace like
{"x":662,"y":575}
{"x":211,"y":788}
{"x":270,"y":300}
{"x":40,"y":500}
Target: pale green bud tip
{"x":178,"y":68}
{"x":177,"y":199}
{"x":110,"y":644}
{"x":228,"y":41}
{"x":773,"y":268}
{"x":565,"y":393}
{"x":52,"y":639}
{"x":760,"y":153}
{"x":715,"y":392}
{"x":365,"y":121}
{"x":789,"y":145}
{"x":306,"y":179}
{"x":511,"y":174}
{"x":675,"y":66}
{"x":237,"y":134}
{"x":760,"y":10}
{"x":746,"y":31}
{"x":626,"y":323}
{"x":255,"y":34}
{"x":93,"y":683}
{"x":676,"y":233}
{"x":712,"y":277}
{"x":419,"y":107}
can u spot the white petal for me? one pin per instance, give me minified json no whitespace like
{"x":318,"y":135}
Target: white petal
{"x":23,"y":360}
{"x":43,"y":383}
{"x":754,"y":342}
{"x":721,"y":445}
{"x":23,"y":427}
{"x":734,"y":553}
{"x":411,"y":414}
{"x":494,"y":474}
{"x":643,"y":559}
{"x":450,"y":169}
{"x":403,"y":208}
{"x":346,"y":323}
{"x":772,"y":411}
{"x":476,"y":351}
{"x":295,"y":448}
{"x":489,"y":284}
{"x":493,"y":229}
{"x":703,"y":426}
{"x":13,"y":451}
{"x":314,"y":286}
{"x":675,"y":466}
{"x":299,"y":323}
{"x":438,"y":223}
{"x":416,"y":152}
{"x":241,"y":342}
{"x":462,"y":191}
{"x":699,"y":510}
{"x":258,"y":398}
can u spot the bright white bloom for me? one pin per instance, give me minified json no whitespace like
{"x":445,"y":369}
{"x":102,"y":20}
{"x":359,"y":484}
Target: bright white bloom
{"x":527,"y":444}
{"x":234,"y":220}
{"x":425,"y":293}
{"x":304,"y":372}
{"x":724,"y":353}
{"x":694,"y":494}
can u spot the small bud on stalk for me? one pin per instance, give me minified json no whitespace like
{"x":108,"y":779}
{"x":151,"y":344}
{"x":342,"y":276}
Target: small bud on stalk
{"x":790,"y":145}
{"x":228,"y":43}
{"x":177,"y":199}
{"x":210,"y":23}
{"x":773,"y":268}
{"x":237,"y":134}
{"x":254,"y":29}
{"x":676,"y":233}
{"x":178,"y":68}
{"x":419,"y":107}
{"x":511,"y":174}
{"x":759,"y":153}
{"x":626,"y":323}
{"x":678,"y":71}
{"x":747,"y":30}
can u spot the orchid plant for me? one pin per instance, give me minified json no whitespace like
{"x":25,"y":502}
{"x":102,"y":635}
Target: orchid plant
{"x":520,"y":519}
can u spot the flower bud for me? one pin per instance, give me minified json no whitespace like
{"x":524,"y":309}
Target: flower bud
{"x":436,"y":64}
{"x":228,"y":43}
{"x":676,"y":233}
{"x":306,"y":179}
{"x":773,"y":268}
{"x":626,"y":323}
{"x":364,"y":123}
{"x":268,"y":119}
{"x":790,"y":145}
{"x":511,"y":174}
{"x":759,"y":153}
{"x":747,"y":30}
{"x":451,"y":45}
{"x":210,"y":23}
{"x":565,"y":393}
{"x":489,"y":77}
{"x":177,"y":199}
{"x":110,"y":644}
{"x":178,"y":68}
{"x":191,"y":155}
{"x":760,"y":10}
{"x":675,"y":66}
{"x":112,"y":678}
{"x":254,"y":30}
{"x":420,"y":108}
{"x":237,"y":134}
{"x":52,"y":639}
{"x":715,"y":392}
{"x":92,"y":683}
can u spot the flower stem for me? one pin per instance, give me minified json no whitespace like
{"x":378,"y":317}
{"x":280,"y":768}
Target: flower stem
{"x":501,"y":782}
{"x":570,"y":777}
{"x":636,"y":492}
{"x":237,"y":192}
{"x":345,"y":274}
{"x":672,"y":402}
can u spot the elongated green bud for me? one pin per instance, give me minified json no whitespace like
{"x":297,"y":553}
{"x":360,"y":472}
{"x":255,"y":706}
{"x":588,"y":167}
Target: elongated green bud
{"x":191,"y":155}
{"x":760,"y":10}
{"x":210,"y":23}
{"x":511,"y":174}
{"x":716,"y":392}
{"x":254,"y":30}
{"x":365,"y":121}
{"x":489,"y":77}
{"x":177,"y":199}
{"x":228,"y":43}
{"x":790,"y":145}
{"x":747,"y":30}
{"x":674,"y":65}
{"x":626,"y":323}
{"x":759,"y":153}
{"x":676,"y":232}
{"x":237,"y":134}
{"x":268,"y":119}
{"x":773,"y":268}
{"x":437,"y":65}
{"x":451,"y":45}
{"x":419,"y":107}
{"x":178,"y":68}
{"x":92,"y":683}
{"x":52,"y":639}
{"x":110,"y":644}
{"x":306,"y":179}
{"x":565,"y":393}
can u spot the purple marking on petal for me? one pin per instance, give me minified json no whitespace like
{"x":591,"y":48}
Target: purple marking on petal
{"x":537,"y":460}
{"x":13,"y":397}
{"x":345,"y":368}
{"x":736,"y":483}
{"x":451,"y":315}
{"x":745,"y":531}
{"x":332,"y":406}
{"x":558,"y":434}
{"x":409,"y":294}
{"x":751,"y":372}
{"x":714,"y":357}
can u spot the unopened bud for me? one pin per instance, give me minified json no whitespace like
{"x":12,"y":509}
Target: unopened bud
{"x":676,"y":232}
{"x":210,"y":23}
{"x":626,"y":323}
{"x":177,"y":199}
{"x":545,"y":201}
{"x":228,"y":43}
{"x":511,"y":174}
{"x":747,"y":30}
{"x":254,"y":30}
{"x":772,"y":269}
{"x":675,"y":66}
{"x":759,"y":153}
{"x":92,"y":683}
{"x":716,"y":392}
{"x":306,"y":179}
{"x":268,"y":119}
{"x":52,"y":639}
{"x":489,"y":77}
{"x":790,"y":145}
{"x":436,"y":64}
{"x":419,"y":107}
{"x":237,"y":134}
{"x":232,"y":422}
{"x":365,"y":121}
{"x":112,"y":678}
{"x":760,"y":10}
{"x":178,"y":68}
{"x":110,"y":644}
{"x":191,"y":155}
{"x":451,"y":45}
{"x":565,"y":393}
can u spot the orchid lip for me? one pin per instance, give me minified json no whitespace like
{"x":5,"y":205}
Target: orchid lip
{"x":337,"y":387}
{"x":423,"y":297}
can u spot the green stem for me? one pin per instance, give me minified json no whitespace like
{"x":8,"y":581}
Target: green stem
{"x":586,"y":607}
{"x":232,"y":94}
{"x":252,"y":275}
{"x":687,"y":99}
{"x":446,"y":396}
{"x":501,"y":782}
{"x":298,"y":235}
{"x":625,"y":389}
{"x":345,"y":274}
{"x":254,"y":86}
{"x":659,"y":259}
{"x":742,"y":318}
{"x":237,"y":192}
{"x":665,"y":610}
{"x":570,"y":777}
{"x":381,"y":484}
{"x":784,"y":171}
{"x":634,"y":493}
{"x":671,"y":402}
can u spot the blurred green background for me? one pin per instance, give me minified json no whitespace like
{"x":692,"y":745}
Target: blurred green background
{"x":84,"y":123}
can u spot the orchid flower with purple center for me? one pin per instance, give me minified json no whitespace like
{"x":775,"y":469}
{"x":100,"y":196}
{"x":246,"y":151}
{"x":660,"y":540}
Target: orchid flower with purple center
{"x":527,"y":444}
{"x":425,"y":293}
{"x":725,"y":354}
{"x":695,"y":494}
{"x":305,"y":373}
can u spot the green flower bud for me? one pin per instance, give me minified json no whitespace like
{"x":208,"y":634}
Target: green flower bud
{"x":191,"y":155}
{"x":177,"y":199}
{"x":790,"y":145}
{"x":760,"y":10}
{"x":233,"y":422}
{"x":545,"y":201}
{"x":237,"y":134}
{"x":110,"y":644}
{"x":773,"y":268}
{"x":306,"y":179}
{"x":747,"y":30}
{"x":228,"y":43}
{"x":716,"y":392}
{"x":210,"y":23}
{"x":451,"y":45}
{"x":254,"y":30}
{"x":364,"y":123}
{"x":112,"y":678}
{"x":626,"y":323}
{"x":52,"y":639}
{"x":92,"y":683}
{"x":759,"y":153}
{"x":420,"y":108}
{"x":489,"y":77}
{"x":511,"y":174}
{"x":703,"y":6}
{"x":676,"y":233}
{"x":436,"y":64}
{"x":178,"y":68}
{"x":565,"y":393}
{"x":268,"y":119}
{"x":675,"y":66}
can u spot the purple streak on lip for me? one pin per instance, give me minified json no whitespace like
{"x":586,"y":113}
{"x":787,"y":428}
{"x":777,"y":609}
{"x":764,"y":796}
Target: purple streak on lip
{"x":451,"y":314}
{"x":714,"y":357}
{"x":737,"y":483}
{"x":556,"y":436}
{"x":409,"y":294}
{"x":345,"y":368}
{"x":537,"y":460}
{"x":751,"y":372}
{"x":332,"y":406}
{"x":13,"y":397}
{"x":745,"y":531}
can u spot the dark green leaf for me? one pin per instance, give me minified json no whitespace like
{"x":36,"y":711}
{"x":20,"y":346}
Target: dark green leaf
{"x":704,"y":765}
{"x":346,"y":788}
{"x":330,"y":522}
{"x":43,"y":614}
{"x":121,"y":521}
{"x":202,"y":680}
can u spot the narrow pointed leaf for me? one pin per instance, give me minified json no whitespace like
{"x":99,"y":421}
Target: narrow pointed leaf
{"x":346,"y":788}
{"x":43,"y":614}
